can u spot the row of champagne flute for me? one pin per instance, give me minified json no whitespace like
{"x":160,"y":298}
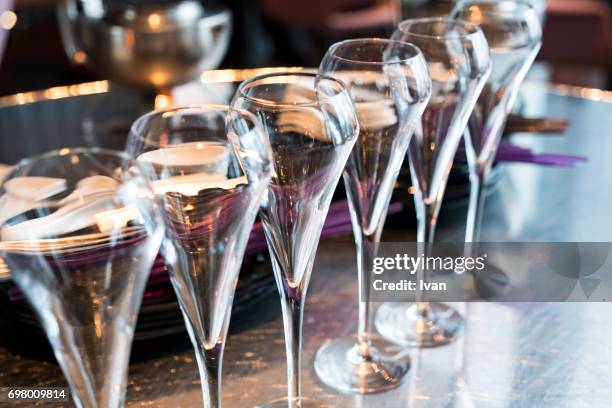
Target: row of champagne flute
{"x":489,"y":45}
{"x":280,"y":149}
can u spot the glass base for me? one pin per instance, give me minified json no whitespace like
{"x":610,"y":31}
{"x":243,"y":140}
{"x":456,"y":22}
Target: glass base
{"x":492,"y":282}
{"x":404,"y":324}
{"x":303,"y":403}
{"x":340,"y":365}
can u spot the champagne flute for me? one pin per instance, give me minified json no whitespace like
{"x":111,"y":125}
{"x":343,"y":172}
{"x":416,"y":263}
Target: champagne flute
{"x":210,"y":178}
{"x":457,"y":56}
{"x":514,"y":35}
{"x":312,"y":126}
{"x":390,"y":86}
{"x":80,"y":231}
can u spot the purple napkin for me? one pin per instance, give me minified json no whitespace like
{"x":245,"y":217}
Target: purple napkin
{"x":337,"y":223}
{"x":509,"y":153}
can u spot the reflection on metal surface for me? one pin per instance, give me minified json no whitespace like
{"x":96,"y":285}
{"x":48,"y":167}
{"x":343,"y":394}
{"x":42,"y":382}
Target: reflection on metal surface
{"x":593,"y":94}
{"x":239,"y":75}
{"x":512,"y":354}
{"x":58,"y":92}
{"x":89,"y":88}
{"x":148,"y":44}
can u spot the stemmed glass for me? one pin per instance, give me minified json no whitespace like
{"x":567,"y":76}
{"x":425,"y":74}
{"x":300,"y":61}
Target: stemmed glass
{"x":457,"y":56}
{"x":80,"y":231}
{"x":390,"y":86}
{"x":312,"y":126}
{"x":514,"y":35}
{"x":210,"y":178}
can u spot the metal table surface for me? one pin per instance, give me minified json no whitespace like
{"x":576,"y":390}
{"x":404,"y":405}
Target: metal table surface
{"x":510,"y":355}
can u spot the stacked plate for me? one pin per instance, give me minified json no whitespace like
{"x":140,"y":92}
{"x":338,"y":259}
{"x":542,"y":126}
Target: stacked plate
{"x":160,"y":315}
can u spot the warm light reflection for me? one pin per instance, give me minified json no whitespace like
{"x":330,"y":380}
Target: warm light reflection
{"x":8,"y":19}
{"x":475,"y":15}
{"x":4,"y":270}
{"x":589,"y":93}
{"x":58,"y":92}
{"x":158,"y":78}
{"x":154,"y":20}
{"x":239,"y":75}
{"x":97,"y":320}
{"x":129,"y":38}
{"x":79,"y":57}
{"x":163,"y":101}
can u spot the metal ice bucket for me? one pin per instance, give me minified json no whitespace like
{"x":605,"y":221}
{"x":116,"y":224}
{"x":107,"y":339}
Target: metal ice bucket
{"x":145,"y":43}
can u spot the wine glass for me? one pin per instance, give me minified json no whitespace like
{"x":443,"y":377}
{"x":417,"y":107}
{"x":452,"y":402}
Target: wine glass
{"x":457,"y":57}
{"x":514,"y":35}
{"x":312,"y":126}
{"x":80,"y":231}
{"x":390,"y":86}
{"x":210,"y":178}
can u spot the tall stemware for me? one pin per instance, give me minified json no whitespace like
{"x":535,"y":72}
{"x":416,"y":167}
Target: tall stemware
{"x":457,"y":57}
{"x":312,"y":126}
{"x":390,"y":86}
{"x":209,"y":177}
{"x":80,"y":231}
{"x":514,"y":35}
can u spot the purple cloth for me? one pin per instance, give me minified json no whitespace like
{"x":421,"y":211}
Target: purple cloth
{"x":509,"y":153}
{"x":337,"y":223}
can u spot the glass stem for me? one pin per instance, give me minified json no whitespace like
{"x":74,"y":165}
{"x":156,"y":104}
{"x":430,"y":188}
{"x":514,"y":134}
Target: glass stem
{"x":476,"y":204}
{"x":367,"y":248}
{"x":293,"y":313}
{"x":427,"y":217}
{"x":209,"y":363}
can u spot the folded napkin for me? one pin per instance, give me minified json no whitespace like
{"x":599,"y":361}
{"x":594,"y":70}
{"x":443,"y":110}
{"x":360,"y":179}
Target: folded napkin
{"x":26,"y":193}
{"x":212,"y":156}
{"x":87,"y":205}
{"x":192,"y":184}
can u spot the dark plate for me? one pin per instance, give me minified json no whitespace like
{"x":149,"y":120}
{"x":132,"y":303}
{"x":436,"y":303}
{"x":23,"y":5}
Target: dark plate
{"x":158,"y":318}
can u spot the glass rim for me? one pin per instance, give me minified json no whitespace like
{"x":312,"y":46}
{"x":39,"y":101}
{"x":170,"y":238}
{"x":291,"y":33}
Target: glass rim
{"x":371,"y":40}
{"x":241,"y":91}
{"x":65,"y":151}
{"x":522,"y":3}
{"x":474,"y":29}
{"x":207,"y":107}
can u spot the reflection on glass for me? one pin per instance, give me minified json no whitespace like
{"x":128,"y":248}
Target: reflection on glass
{"x":210,"y":181}
{"x":514,"y":35}
{"x":389,"y":84}
{"x":80,"y":230}
{"x":311,"y":125}
{"x":457,"y":56}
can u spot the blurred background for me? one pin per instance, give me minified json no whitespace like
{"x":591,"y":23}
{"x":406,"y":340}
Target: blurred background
{"x":35,"y":49}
